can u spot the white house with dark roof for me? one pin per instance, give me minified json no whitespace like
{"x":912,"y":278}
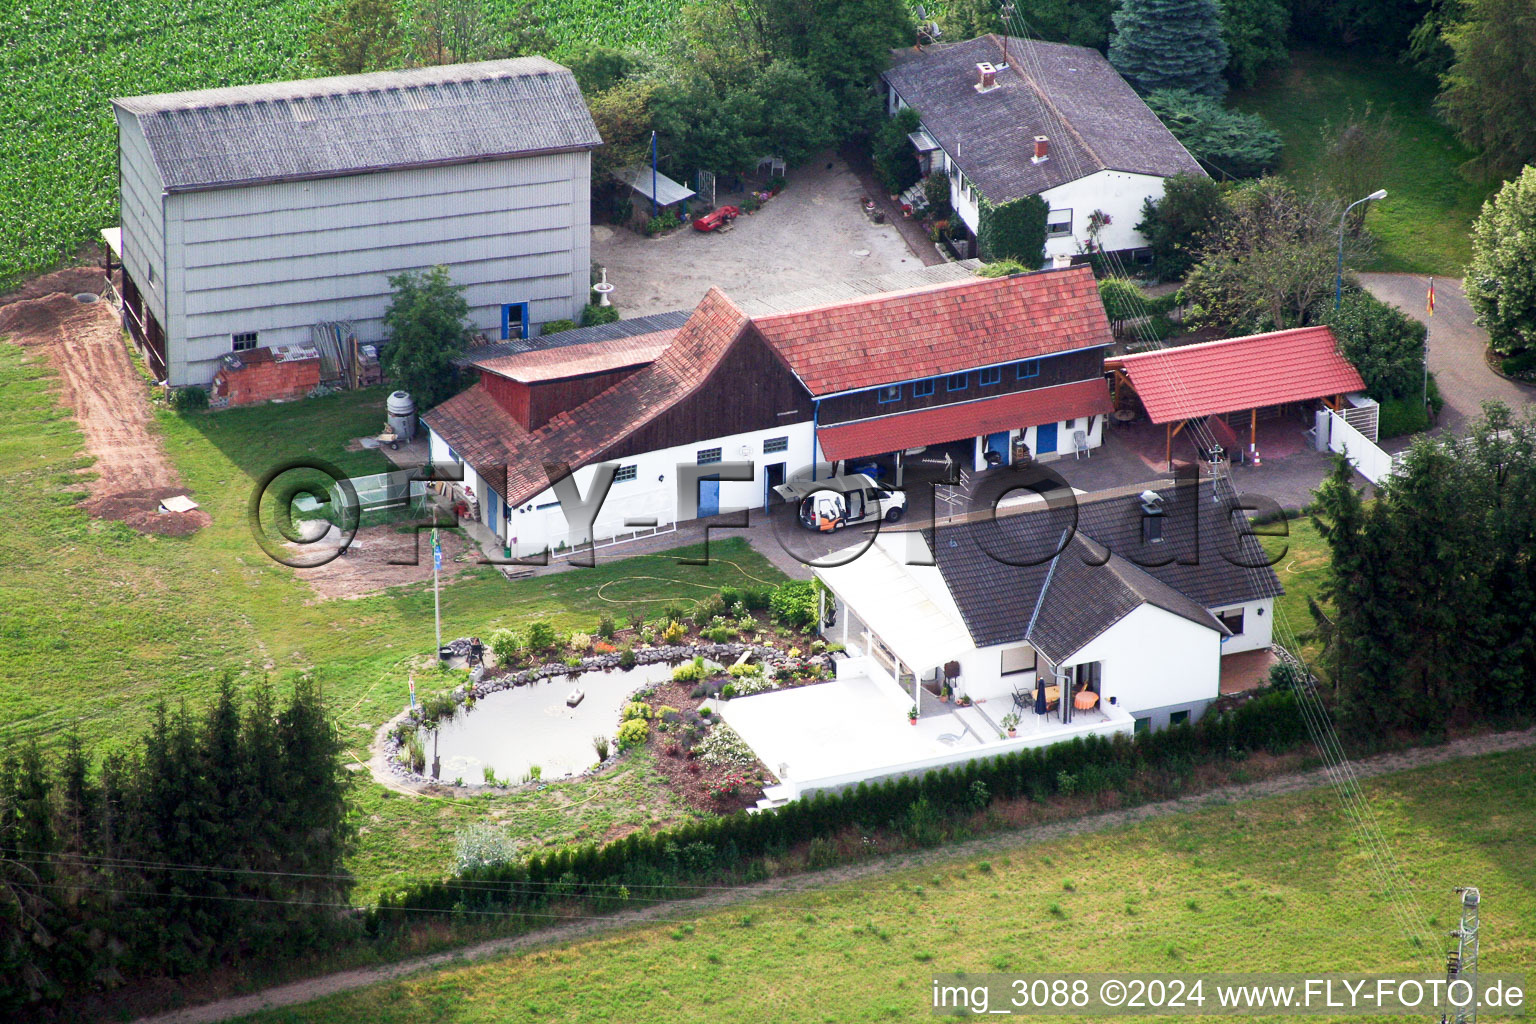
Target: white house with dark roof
{"x":251,"y":214}
{"x":1006,"y":118}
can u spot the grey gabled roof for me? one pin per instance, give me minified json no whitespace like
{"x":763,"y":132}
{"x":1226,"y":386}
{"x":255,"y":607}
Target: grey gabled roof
{"x":355,"y":124}
{"x":1088,"y":590}
{"x":1009,"y":581}
{"x":1092,"y":117}
{"x":667,"y":190}
{"x":630,"y":328}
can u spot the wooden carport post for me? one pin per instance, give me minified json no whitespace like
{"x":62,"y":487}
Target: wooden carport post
{"x":1253,"y":429}
{"x":1172,"y":433}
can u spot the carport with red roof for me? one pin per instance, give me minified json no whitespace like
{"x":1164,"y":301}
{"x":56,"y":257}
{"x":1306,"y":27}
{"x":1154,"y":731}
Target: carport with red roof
{"x":1217,"y":378}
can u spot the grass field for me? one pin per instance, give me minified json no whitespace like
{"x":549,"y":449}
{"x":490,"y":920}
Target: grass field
{"x":1273,"y":885}
{"x":101,"y":622}
{"x":1422,"y":226}
{"x":61,"y":64}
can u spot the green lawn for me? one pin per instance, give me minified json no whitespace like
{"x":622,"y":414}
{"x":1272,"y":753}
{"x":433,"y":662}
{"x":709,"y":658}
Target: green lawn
{"x":1422,"y":226}
{"x":100,"y":622}
{"x":1301,"y":562}
{"x":1275,"y":885}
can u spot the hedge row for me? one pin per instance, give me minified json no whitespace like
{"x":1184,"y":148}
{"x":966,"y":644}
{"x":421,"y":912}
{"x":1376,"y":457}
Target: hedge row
{"x":659,"y":864}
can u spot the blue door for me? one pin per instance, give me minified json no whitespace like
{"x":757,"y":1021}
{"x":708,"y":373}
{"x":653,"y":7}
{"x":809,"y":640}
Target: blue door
{"x":709,"y":496}
{"x":1045,"y":438}
{"x":997,"y":443}
{"x":514,"y":320}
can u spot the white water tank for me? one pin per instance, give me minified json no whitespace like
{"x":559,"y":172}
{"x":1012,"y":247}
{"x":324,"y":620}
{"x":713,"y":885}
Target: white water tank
{"x":402,"y":415}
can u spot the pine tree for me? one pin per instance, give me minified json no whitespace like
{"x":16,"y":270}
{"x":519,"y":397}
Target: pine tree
{"x":1170,"y":44}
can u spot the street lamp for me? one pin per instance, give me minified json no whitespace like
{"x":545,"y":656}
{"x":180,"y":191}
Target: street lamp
{"x":1338,"y":280}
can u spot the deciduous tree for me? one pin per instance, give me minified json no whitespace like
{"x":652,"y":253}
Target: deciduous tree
{"x":1500,"y":281}
{"x":356,"y":36}
{"x":1489,"y":93}
{"x":426,"y":322}
{"x":1176,"y":225}
{"x":1356,"y":157}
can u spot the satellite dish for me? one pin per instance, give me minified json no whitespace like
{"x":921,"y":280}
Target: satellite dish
{"x":934,"y":30}
{"x":922,"y":13}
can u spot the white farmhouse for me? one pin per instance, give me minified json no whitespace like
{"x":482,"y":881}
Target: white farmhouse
{"x":1007,"y":118}
{"x":252,"y":214}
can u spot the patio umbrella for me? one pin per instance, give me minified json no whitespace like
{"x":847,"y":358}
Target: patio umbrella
{"x":1039,"y":696}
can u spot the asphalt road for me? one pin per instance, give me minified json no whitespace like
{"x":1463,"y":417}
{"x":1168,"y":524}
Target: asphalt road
{"x":1456,"y":346}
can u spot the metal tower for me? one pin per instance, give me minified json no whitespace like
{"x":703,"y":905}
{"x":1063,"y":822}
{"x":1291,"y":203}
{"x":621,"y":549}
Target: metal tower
{"x":1461,"y":962}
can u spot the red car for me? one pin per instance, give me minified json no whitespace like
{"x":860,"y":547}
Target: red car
{"x":715,"y":218}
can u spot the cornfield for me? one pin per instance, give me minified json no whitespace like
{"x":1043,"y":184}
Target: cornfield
{"x":62,"y":62}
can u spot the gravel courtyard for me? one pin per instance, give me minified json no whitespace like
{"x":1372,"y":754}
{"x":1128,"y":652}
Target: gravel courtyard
{"x":812,"y":231}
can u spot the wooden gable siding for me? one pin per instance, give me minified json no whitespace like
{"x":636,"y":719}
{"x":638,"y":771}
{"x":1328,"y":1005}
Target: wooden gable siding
{"x":534,"y":405}
{"x":1058,"y":369}
{"x":750,"y":389}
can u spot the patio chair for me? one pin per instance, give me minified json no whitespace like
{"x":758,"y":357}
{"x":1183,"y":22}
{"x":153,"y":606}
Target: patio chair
{"x":1080,"y":444}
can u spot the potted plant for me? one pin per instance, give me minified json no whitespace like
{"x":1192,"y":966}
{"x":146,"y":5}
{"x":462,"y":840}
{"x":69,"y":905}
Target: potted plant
{"x":944,"y":693}
{"x":1011,"y":723}
{"x":964,"y":701}
{"x":912,"y":715}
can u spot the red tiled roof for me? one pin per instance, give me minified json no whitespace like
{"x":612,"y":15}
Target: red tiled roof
{"x":953,"y":422}
{"x":580,"y":360}
{"x":930,"y":331}
{"x":482,"y":433}
{"x":1240,"y":373}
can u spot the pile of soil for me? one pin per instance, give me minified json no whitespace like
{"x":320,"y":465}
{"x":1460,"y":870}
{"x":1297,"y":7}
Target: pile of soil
{"x":140,"y":509}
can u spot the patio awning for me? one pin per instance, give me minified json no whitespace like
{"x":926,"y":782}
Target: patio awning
{"x":945,"y":423}
{"x":667,"y":190}
{"x":922,"y":141}
{"x":921,"y":624}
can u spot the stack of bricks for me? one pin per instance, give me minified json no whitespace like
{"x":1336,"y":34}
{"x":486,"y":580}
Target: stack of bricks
{"x":263,"y":377}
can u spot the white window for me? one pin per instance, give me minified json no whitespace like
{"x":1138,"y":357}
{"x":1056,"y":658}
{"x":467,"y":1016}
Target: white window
{"x":1233,"y":620}
{"x":243,"y":342}
{"x":624,"y":473}
{"x":708,"y":456}
{"x":776,"y":444}
{"x":889,"y":393}
{"x":1018,"y":659}
{"x":1058,"y":223}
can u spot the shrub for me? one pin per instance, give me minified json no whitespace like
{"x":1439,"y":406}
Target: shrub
{"x":592,"y":315}
{"x":627,"y":659}
{"x":606,"y":627}
{"x":633,"y":733}
{"x":673,"y":632}
{"x":936,"y":193}
{"x":600,"y":747}
{"x":636,"y":710}
{"x":506,"y":645}
{"x":1399,"y":416}
{"x":556,"y":327}
{"x":482,"y":845}
{"x":1014,"y":230}
{"x":727,"y":691}
{"x":751,"y":204}
{"x":891,"y":152}
{"x":725,"y":749}
{"x":579,"y":642}
{"x":1002,"y":268}
{"x":1522,"y":366}
{"x":721,"y":634}
{"x":796,"y":603}
{"x":690,"y":671}
{"x":636,"y":619}
{"x":540,"y":636}
{"x":190,"y":399}
{"x":1385,"y":344}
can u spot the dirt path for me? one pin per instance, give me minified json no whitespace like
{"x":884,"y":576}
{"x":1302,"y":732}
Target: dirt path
{"x":98,"y":383}
{"x":346,"y":981}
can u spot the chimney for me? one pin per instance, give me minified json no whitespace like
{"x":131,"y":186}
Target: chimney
{"x":1061,"y":260}
{"x":1042,"y":149}
{"x":988,"y":76}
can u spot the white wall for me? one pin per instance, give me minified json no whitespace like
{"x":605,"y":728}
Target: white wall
{"x":1364,"y":454}
{"x":1064,"y":449}
{"x":540,"y":523}
{"x":1258,"y":627}
{"x":1153,"y":658}
{"x":278,"y":258}
{"x":140,"y":187}
{"x":1118,"y":193}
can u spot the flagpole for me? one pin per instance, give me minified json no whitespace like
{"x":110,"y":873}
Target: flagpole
{"x":437,"y":607}
{"x":1426,"y":344}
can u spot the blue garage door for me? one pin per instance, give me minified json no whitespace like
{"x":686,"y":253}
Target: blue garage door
{"x":1045,"y":438}
{"x":709,"y":496}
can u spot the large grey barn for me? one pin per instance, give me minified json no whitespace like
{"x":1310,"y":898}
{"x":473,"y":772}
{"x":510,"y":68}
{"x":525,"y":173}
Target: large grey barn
{"x":250,"y":214}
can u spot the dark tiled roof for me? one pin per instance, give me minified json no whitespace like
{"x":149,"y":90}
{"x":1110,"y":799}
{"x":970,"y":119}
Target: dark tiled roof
{"x":579,"y":336}
{"x":1236,"y":374}
{"x":997,"y":569}
{"x":580,"y":436}
{"x":939,"y":329}
{"x":953,"y":422}
{"x":354,"y":124}
{"x":1094,"y":120}
{"x":1084,"y":595}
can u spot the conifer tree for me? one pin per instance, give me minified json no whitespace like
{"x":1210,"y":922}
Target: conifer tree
{"x":1170,"y":44}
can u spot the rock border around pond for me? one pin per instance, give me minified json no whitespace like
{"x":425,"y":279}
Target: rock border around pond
{"x":481,"y":686}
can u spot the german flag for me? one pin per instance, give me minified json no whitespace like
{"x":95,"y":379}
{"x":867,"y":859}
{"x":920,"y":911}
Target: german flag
{"x":1430,"y":302}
